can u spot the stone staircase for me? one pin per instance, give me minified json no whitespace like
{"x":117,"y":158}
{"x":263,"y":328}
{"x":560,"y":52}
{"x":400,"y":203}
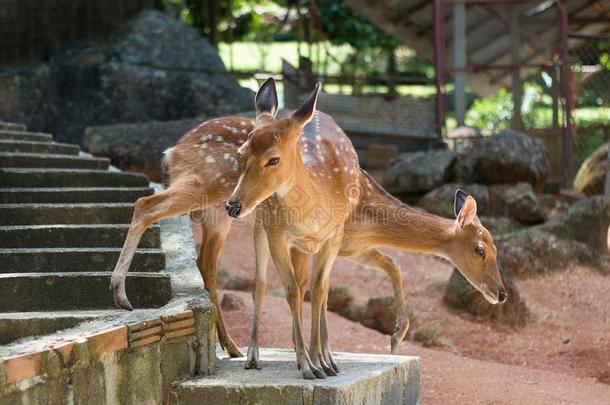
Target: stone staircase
{"x":63,"y":218}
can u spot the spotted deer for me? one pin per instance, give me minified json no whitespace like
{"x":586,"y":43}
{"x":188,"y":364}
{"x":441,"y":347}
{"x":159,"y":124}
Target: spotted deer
{"x":203,"y":169}
{"x":316,"y":200}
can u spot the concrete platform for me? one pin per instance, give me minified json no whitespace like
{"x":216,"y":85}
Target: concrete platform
{"x":364,"y":379}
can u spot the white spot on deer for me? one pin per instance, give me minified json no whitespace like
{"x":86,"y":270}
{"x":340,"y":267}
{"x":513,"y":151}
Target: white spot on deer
{"x":318,"y":138}
{"x":204,"y":146}
{"x":210,"y":159}
{"x":226,"y":156}
{"x":242,"y":123}
{"x":336,"y":170}
{"x":206,"y":137}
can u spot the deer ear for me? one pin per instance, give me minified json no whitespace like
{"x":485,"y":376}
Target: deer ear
{"x":467,"y":210}
{"x":266,"y":98}
{"x":458,"y":203}
{"x":305,"y":112}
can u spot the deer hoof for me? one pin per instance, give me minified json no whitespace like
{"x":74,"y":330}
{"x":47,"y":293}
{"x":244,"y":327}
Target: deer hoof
{"x":318,"y":373}
{"x":252,"y":360}
{"x":232,"y":350}
{"x":308,"y":375}
{"x":119,"y":295}
{"x":329,"y":371}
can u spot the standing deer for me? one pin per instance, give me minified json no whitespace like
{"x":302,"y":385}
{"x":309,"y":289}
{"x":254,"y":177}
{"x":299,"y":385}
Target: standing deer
{"x":203,"y":171}
{"x":317,"y":201}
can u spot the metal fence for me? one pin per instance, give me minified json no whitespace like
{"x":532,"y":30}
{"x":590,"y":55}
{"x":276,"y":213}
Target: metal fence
{"x":521,"y":46}
{"x":590,"y":65}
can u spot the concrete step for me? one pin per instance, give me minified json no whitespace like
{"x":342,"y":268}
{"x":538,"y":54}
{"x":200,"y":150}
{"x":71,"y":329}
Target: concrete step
{"x":78,"y":236}
{"x":47,"y":214}
{"x":34,"y":160}
{"x":68,"y":291}
{"x":64,"y":260}
{"x":6,"y":135}
{"x":69,"y":178}
{"x":11,"y":126}
{"x":61,"y":195}
{"x":39,"y":147}
{"x":17,"y":325}
{"x":364,"y":379}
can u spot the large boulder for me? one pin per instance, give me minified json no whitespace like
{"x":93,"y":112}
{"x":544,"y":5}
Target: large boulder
{"x":440,"y":201}
{"x":514,"y":201}
{"x":506,"y":157}
{"x":591,"y":176}
{"x":419,"y":172}
{"x":576,"y":237}
{"x":153,"y":68}
{"x":137,"y":147}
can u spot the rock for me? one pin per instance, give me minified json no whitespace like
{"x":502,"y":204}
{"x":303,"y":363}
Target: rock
{"x":232,"y":302}
{"x":462,"y":296}
{"x":576,"y":237}
{"x":153,"y":68}
{"x":516,"y":201}
{"x":591,"y":176}
{"x":499,"y":225}
{"x":586,"y":221}
{"x":137,"y":147}
{"x":507,"y":157}
{"x":512,"y":201}
{"x":419,"y":172}
{"x":440,"y":200}
{"x":238,"y":283}
{"x":380,"y":314}
{"x":339,"y":297}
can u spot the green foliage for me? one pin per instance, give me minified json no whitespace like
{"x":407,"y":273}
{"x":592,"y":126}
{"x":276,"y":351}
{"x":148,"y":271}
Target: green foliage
{"x":491,"y":114}
{"x":343,"y":26}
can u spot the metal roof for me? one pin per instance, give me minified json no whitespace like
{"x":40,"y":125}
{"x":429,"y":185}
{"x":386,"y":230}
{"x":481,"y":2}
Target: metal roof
{"x":488,"y":43}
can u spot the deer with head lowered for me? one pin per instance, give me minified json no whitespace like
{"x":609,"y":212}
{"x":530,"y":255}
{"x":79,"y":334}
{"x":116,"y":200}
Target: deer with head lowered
{"x":203,"y":170}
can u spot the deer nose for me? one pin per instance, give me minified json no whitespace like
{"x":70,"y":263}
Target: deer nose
{"x":502,"y":296}
{"x":233,"y":208}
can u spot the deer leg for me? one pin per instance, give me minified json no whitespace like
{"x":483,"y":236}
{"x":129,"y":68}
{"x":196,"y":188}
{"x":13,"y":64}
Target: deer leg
{"x":148,"y":210}
{"x":299,"y":263}
{"x":323,"y":262}
{"x":326,"y":352}
{"x":380,"y":261}
{"x":215,"y":226}
{"x":262,"y":259}
{"x":280,"y":253}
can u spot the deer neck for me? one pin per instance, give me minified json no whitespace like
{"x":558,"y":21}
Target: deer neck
{"x":394,"y":224}
{"x":298,"y":185}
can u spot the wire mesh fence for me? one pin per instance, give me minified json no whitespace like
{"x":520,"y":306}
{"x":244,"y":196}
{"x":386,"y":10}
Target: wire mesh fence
{"x":590,"y":65}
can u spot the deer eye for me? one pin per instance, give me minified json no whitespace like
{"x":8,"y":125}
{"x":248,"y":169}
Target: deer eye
{"x":273,"y":161}
{"x":480,"y":251}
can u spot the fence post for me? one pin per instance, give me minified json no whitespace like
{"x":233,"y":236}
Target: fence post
{"x":459,"y":61}
{"x":566,"y":82}
{"x":439,"y":63}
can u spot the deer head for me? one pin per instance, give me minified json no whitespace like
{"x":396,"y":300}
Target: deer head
{"x":270,"y":156}
{"x":473,"y":252}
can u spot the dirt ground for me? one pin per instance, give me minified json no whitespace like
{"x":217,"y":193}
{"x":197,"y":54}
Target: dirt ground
{"x":561,"y":356}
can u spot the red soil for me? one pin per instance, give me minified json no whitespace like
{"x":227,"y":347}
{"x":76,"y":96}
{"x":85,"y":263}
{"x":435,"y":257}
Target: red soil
{"x":561,"y":356}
